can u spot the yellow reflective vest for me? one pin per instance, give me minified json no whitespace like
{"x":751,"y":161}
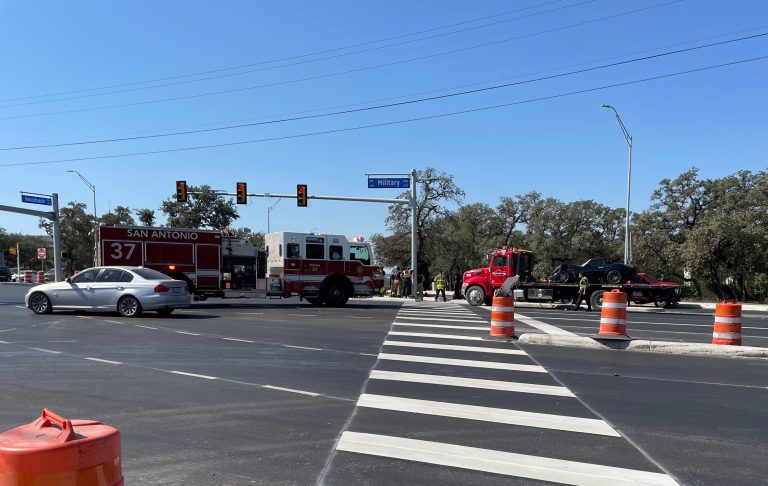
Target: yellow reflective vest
{"x":440,"y":283}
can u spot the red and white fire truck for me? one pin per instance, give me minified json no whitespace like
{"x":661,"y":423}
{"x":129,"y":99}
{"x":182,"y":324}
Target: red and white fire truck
{"x":323,"y":269}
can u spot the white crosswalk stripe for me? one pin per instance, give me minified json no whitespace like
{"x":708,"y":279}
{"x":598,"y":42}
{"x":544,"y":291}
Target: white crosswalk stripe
{"x":454,"y":381}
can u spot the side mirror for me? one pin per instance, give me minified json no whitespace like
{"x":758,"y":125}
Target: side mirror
{"x":68,"y":279}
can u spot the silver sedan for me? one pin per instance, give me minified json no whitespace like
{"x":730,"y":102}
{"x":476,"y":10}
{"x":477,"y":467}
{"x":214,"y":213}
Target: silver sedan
{"x":127,"y":290}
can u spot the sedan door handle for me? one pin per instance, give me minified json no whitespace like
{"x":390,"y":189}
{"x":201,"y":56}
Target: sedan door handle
{"x":121,"y":288}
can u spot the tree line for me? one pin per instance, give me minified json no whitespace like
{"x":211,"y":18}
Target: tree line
{"x":711,"y":234}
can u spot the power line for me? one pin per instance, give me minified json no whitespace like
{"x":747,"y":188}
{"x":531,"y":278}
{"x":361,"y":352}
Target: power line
{"x":395,"y":122}
{"x":390,"y":105}
{"x":340,"y":73}
{"x":299,"y":56}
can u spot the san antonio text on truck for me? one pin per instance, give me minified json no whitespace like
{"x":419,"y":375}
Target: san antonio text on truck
{"x":323,"y":269}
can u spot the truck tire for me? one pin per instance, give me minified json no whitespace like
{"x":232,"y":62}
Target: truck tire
{"x":613,"y":277}
{"x":596,"y":300}
{"x":475,"y":295}
{"x":661,"y":300}
{"x":335,"y":293}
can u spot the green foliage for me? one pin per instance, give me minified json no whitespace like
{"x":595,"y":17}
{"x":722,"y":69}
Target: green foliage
{"x":120,"y":216}
{"x":203,"y":209}
{"x":146,"y":216}
{"x":77,"y":237}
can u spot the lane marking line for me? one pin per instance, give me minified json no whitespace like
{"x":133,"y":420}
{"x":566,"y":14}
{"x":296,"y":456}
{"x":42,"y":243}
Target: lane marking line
{"x":511,"y":386}
{"x":498,"y":462}
{"x":543,"y":326}
{"x":301,"y":347}
{"x":184,"y":373}
{"x":104,"y":361}
{"x":463,"y":362}
{"x":250,"y":313}
{"x":84,"y":317}
{"x":488,"y":414}
{"x":291,"y":390}
{"x":238,"y":340}
{"x":458,"y":319}
{"x":442,"y":326}
{"x":368,"y":354}
{"x":47,"y":350}
{"x":304,"y":315}
{"x":433,"y":335}
{"x":4,"y":342}
{"x":146,"y":327}
{"x":453,"y":347}
{"x":359,"y":317}
{"x":114,"y":322}
{"x":187,"y":333}
{"x":8,"y":330}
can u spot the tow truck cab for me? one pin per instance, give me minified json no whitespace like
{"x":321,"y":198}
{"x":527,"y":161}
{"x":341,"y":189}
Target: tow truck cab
{"x":479,"y":283}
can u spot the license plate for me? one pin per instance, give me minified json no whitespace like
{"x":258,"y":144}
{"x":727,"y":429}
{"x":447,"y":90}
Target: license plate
{"x":178,"y":290}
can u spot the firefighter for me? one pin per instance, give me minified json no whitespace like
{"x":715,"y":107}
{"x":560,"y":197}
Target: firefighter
{"x":394,"y":282}
{"x":440,"y":286}
{"x":407,"y":284}
{"x":583,"y":287}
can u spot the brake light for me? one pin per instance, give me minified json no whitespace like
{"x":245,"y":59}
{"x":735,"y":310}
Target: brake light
{"x":171,"y":267}
{"x":161,"y":288}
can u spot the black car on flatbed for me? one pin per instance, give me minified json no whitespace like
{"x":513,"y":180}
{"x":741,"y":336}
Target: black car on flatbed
{"x":597,"y":270}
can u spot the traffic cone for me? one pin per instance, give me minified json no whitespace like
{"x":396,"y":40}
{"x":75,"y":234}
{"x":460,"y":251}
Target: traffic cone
{"x":613,"y":317}
{"x":727,"y":328}
{"x":503,"y":317}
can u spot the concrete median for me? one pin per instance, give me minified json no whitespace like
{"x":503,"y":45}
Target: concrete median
{"x":644,"y":345}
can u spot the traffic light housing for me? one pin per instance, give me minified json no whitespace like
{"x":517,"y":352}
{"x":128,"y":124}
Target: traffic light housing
{"x":301,"y":195}
{"x":12,"y":251}
{"x":242,"y":193}
{"x":181,"y":191}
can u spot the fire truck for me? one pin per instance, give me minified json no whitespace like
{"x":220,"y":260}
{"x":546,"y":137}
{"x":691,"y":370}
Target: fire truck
{"x":323,"y":269}
{"x":480,"y":284}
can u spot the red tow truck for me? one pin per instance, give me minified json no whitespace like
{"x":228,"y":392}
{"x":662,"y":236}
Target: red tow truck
{"x":323,"y":269}
{"x":480,"y":284}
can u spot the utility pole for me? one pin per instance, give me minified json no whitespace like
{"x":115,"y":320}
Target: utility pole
{"x":414,"y":236}
{"x":628,"y":138}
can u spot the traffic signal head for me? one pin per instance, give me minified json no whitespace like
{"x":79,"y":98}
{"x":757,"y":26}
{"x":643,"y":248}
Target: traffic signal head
{"x":181,"y":191}
{"x":13,"y":250}
{"x":301,"y":195}
{"x":242,"y":193}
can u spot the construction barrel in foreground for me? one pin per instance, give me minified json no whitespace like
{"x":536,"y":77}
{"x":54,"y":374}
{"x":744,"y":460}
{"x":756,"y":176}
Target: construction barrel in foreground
{"x":727,"y":328}
{"x":613,"y":317}
{"x":503,"y":317}
{"x":56,"y":451}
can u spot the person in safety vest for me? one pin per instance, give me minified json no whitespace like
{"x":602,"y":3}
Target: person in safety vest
{"x":407,"y":285}
{"x":440,"y":286}
{"x":583,"y":290}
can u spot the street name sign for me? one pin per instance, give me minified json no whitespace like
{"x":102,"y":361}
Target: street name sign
{"x":44,"y":200}
{"x":389,"y":183}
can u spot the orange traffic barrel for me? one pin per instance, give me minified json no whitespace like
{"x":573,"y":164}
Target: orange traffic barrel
{"x":40,"y":277}
{"x":503,"y":317}
{"x":56,"y":451}
{"x":613,"y":317}
{"x":27,"y":277}
{"x":727,"y":323}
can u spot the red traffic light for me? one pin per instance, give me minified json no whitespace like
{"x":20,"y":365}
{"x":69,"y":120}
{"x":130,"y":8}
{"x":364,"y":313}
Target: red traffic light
{"x":301,"y":195}
{"x":181,"y":191}
{"x":242,"y":193}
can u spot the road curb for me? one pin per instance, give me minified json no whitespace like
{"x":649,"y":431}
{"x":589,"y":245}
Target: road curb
{"x":644,"y":345}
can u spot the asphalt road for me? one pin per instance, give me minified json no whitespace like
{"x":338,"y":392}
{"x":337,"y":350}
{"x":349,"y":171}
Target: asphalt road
{"x":380,"y":392}
{"x":660,"y":325}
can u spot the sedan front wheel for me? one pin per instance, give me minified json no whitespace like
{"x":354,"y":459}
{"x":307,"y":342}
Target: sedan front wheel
{"x":40,"y":303}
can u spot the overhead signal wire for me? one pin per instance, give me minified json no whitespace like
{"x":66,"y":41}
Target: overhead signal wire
{"x":395,"y":122}
{"x":401,"y":103}
{"x":290,"y":58}
{"x":340,"y":73}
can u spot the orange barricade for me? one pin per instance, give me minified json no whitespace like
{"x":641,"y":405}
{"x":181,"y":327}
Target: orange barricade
{"x":40,"y":277}
{"x":503,"y":317}
{"x":53,"y":450}
{"x":613,"y":318}
{"x":27,"y":277}
{"x":727,"y":324}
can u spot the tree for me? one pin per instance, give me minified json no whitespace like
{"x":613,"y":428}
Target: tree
{"x":203,"y":209}
{"x":76,"y":235}
{"x":146,"y":216}
{"x":256,"y":238}
{"x":120,"y":216}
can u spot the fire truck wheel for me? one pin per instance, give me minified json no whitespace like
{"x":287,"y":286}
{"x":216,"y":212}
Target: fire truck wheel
{"x":335,"y":294}
{"x":129,"y":306}
{"x":315,"y":300}
{"x":475,"y":295}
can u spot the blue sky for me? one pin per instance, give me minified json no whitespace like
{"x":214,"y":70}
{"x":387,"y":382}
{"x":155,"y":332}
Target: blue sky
{"x":567,"y":148}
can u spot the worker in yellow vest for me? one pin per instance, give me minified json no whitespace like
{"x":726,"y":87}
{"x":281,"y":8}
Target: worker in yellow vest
{"x":440,"y":286}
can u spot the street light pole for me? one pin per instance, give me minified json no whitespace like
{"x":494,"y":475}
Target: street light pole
{"x":628,"y":137}
{"x":95,"y":221}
